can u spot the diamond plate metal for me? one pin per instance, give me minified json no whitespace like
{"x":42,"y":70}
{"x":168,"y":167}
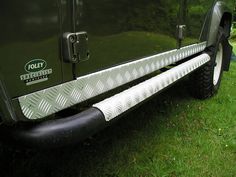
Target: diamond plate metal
{"x":43,"y":103}
{"x":118,"y":104}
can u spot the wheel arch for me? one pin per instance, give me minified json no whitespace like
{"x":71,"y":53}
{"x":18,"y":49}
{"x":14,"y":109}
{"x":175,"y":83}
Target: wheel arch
{"x":219,"y":16}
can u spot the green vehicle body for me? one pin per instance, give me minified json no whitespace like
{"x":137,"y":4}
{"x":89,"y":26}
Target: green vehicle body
{"x":32,"y":40}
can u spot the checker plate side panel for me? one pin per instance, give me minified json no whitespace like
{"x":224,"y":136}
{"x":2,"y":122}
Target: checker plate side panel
{"x":46,"y":102}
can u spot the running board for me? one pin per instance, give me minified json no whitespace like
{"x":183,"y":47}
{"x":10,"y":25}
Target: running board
{"x":72,"y":129}
{"x":120,"y":103}
{"x":43,"y":103}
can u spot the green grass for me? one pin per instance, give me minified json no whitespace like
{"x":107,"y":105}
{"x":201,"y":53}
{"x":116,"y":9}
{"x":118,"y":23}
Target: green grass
{"x":233,"y":40}
{"x":234,"y":46}
{"x":171,"y":135}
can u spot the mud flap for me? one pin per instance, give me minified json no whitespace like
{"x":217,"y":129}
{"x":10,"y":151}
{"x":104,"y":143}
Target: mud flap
{"x":227,"y":55}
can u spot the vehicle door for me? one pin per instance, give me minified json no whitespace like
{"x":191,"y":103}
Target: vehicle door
{"x":30,"y":44}
{"x":193,"y":15}
{"x":120,"y":31}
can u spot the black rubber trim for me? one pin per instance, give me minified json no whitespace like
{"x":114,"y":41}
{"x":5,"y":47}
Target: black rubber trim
{"x":59,"y":132}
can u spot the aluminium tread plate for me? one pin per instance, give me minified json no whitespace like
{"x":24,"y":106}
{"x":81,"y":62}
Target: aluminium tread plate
{"x":118,"y":104}
{"x":46,"y":102}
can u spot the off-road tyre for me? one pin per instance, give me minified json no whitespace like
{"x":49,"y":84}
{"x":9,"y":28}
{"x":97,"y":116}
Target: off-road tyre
{"x":205,"y":82}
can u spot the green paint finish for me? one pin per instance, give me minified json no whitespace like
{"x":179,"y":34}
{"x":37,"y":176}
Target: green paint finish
{"x":193,"y":15}
{"x":35,"y":34}
{"x":122,"y":31}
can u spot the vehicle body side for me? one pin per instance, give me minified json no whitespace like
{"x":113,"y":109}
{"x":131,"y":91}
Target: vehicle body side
{"x":119,"y":32}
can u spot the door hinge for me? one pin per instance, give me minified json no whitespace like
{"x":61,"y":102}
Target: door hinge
{"x":75,"y":47}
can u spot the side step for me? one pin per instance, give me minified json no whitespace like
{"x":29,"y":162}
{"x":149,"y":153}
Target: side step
{"x":72,"y":129}
{"x":43,"y":103}
{"x":118,"y":104}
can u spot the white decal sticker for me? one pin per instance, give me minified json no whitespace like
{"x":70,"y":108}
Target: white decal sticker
{"x":36,"y":72}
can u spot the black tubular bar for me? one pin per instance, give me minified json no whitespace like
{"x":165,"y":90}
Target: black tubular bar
{"x":58,"y":132}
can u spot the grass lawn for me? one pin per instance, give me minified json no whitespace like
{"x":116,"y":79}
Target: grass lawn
{"x":234,"y":46}
{"x":171,"y":135}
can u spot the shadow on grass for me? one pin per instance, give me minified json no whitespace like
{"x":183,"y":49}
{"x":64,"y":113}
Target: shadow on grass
{"x":90,"y":157}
